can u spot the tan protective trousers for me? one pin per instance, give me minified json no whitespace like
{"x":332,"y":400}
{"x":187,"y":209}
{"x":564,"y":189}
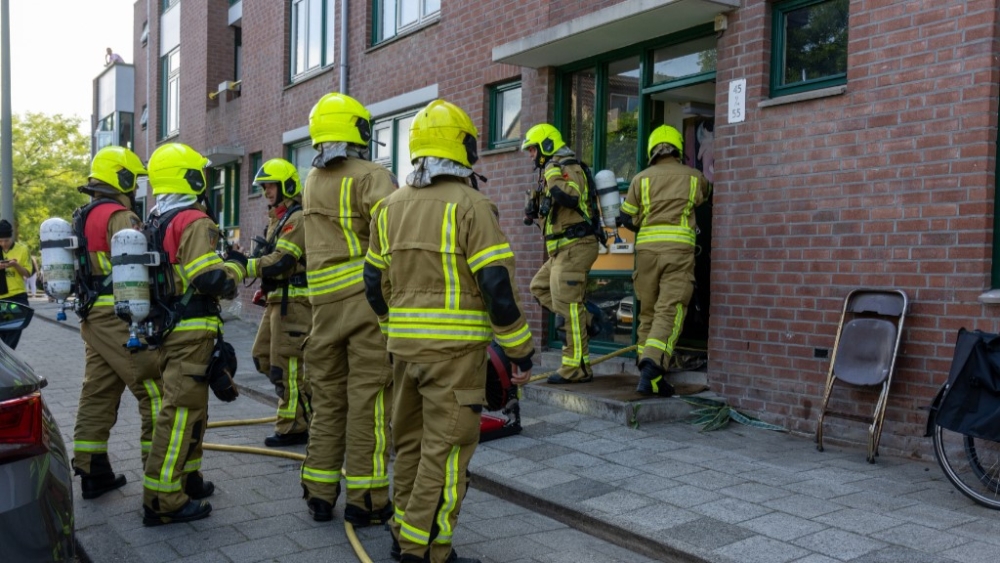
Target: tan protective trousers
{"x":664,"y":283}
{"x":109,"y":369}
{"x":277,"y":353}
{"x":435,"y":430}
{"x":180,"y":427}
{"x":351,"y":379}
{"x":561,"y":286}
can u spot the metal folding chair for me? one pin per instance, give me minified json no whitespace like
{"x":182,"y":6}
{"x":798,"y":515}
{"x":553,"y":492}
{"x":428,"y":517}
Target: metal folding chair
{"x":864,"y":354}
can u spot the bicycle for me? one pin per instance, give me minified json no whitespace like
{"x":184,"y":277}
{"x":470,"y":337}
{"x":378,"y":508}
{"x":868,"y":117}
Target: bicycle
{"x":965,"y":419}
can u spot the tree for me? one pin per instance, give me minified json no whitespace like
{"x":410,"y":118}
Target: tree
{"x":51,"y":158}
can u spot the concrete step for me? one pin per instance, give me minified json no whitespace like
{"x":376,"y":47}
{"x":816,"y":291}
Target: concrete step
{"x":611,"y":396}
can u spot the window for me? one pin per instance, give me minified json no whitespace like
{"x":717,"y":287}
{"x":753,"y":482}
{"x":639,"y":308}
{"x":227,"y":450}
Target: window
{"x":397,"y":16}
{"x":312,"y":35}
{"x":394,"y":151}
{"x":144,"y":118}
{"x":505,"y":115}
{"x":237,"y":54}
{"x":144,"y":36}
{"x":224,"y":194}
{"x":170,"y":95}
{"x":809,"y":42}
{"x":301,"y":154}
{"x":256,"y":161}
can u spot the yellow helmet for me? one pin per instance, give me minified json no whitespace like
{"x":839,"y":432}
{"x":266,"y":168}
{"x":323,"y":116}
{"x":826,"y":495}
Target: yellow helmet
{"x":117,"y":167}
{"x":444,"y":130}
{"x":546,"y":138}
{"x":280,"y":171}
{"x":339,"y":117}
{"x":176,"y":168}
{"x":665,"y":134}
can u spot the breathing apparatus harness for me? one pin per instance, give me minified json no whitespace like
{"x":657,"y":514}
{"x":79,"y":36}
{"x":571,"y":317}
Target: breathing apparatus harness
{"x":591,"y":213}
{"x":266,"y":246}
{"x":89,"y":286}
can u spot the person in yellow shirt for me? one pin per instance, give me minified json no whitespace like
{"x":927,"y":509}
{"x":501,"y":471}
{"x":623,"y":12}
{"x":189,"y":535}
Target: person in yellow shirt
{"x":15,"y":263}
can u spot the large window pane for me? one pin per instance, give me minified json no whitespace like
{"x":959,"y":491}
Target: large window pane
{"x":315,"y":33}
{"x":810,"y":45}
{"x":302,"y":156}
{"x":396,"y":15}
{"x":403,"y":164}
{"x":622,"y":118}
{"x":409,"y":12}
{"x":299,"y":31}
{"x":313,"y":29}
{"x":686,"y":59}
{"x":582,"y":105}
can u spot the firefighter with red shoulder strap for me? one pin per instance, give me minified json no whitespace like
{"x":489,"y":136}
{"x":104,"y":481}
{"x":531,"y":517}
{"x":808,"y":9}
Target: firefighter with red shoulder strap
{"x":186,"y":236}
{"x":109,"y":368}
{"x":279,"y":262}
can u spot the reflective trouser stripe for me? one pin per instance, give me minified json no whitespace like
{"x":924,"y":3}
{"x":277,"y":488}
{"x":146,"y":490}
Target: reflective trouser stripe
{"x":577,"y":344}
{"x":450,"y":496}
{"x":90,"y":447}
{"x":320,"y":475}
{"x":164,"y":484}
{"x":292,"y":384}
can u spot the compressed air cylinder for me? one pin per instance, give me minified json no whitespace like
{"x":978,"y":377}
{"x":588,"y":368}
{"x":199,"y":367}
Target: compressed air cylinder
{"x":608,"y":196}
{"x":130,"y":275}
{"x":58,"y":260}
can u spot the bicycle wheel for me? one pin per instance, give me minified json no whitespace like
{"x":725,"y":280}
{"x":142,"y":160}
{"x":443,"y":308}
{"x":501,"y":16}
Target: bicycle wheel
{"x":971,"y":464}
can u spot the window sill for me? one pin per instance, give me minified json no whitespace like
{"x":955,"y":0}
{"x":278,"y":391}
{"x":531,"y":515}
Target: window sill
{"x":991,"y":297}
{"x":500,"y":150}
{"x":804,"y":96}
{"x":307,"y":76}
{"x":403,"y":35}
{"x":170,"y":137}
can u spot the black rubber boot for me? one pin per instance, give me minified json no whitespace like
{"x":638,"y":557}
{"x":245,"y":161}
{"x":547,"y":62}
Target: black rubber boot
{"x":197,"y":487}
{"x":101,"y":478}
{"x":651,"y":380}
{"x":193,"y":510}
{"x":278,"y":440}
{"x":361,"y":518}
{"x":395,"y":551}
{"x":320,"y":510}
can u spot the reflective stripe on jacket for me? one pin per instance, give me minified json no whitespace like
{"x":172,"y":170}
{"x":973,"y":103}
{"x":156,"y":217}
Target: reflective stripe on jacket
{"x":661,"y":200}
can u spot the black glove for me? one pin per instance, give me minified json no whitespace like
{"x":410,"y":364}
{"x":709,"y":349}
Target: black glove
{"x":238,"y":257}
{"x":221,"y":370}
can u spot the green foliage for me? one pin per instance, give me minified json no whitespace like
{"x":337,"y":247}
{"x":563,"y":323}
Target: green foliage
{"x":817,"y":41}
{"x":51,"y":158}
{"x":713,"y":415}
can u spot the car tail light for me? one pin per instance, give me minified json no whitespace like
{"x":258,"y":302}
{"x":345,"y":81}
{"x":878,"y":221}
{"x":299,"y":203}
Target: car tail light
{"x":22,"y":431}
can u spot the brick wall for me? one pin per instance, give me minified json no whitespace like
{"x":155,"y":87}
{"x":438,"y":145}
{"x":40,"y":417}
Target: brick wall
{"x":888,"y":185}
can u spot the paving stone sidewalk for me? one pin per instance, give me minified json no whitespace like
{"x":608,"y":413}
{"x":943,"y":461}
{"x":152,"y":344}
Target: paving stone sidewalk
{"x":259,"y":514}
{"x":663,"y":490}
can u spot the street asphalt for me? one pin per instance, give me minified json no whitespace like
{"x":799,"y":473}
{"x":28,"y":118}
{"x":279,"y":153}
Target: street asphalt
{"x":569,"y":488}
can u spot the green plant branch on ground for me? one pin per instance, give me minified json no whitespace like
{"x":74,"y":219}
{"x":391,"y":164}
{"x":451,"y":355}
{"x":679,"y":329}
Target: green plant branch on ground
{"x":713,"y":415}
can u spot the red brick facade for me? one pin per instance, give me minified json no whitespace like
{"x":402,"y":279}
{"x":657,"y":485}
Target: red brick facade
{"x":889,"y":184}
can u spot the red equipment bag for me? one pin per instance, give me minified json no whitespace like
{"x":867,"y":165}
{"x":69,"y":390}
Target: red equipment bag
{"x":501,"y":398}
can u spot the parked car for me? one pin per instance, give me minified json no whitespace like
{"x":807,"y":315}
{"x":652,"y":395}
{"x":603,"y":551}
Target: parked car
{"x":624,"y":313}
{"x":36,"y":476}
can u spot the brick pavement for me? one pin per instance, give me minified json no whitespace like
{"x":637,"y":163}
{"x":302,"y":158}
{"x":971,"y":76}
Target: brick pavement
{"x":259,"y":514}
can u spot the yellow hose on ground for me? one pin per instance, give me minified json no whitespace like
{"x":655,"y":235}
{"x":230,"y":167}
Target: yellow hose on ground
{"x":359,"y":549}
{"x":603,"y":358}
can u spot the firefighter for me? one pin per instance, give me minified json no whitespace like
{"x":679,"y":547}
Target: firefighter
{"x":173,"y":487}
{"x":659,"y":207}
{"x":561,"y":283}
{"x":349,"y":371}
{"x":15,"y":265}
{"x":109,"y":366}
{"x":440,"y":275}
{"x":277,"y":350}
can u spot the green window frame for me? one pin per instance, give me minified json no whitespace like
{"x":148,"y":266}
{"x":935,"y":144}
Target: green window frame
{"x":392,"y":148}
{"x":312,"y":36}
{"x":505,"y":115}
{"x":170,"y":120}
{"x":808,"y":45}
{"x":394,"y":17}
{"x":256,"y":161}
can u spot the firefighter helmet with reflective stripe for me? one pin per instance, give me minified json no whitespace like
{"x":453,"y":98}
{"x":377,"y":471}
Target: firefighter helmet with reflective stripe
{"x":117,"y":167}
{"x":339,"y":117}
{"x":176,"y":168}
{"x":546,"y":139}
{"x":665,"y":134}
{"x":444,"y":130}
{"x":280,"y":171}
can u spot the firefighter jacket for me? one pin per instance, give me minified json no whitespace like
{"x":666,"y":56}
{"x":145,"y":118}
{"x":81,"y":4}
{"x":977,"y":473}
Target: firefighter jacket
{"x":190,"y":241}
{"x":443,"y":271}
{"x":282,"y":267}
{"x":568,"y":222}
{"x":107,"y":216}
{"x":661,"y":201}
{"x":337,"y":206}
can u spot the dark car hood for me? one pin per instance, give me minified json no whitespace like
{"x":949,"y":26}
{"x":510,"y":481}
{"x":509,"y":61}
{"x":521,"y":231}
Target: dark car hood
{"x":16,"y":377}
